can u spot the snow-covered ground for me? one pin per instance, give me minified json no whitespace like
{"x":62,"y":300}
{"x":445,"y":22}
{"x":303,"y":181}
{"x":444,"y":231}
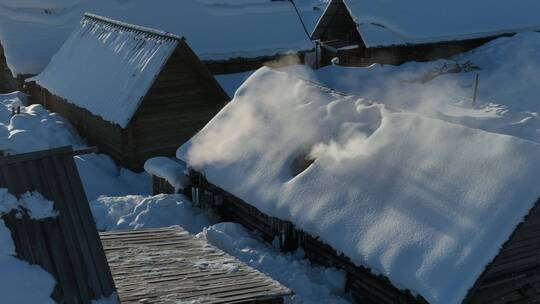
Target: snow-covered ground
{"x":311,"y":284}
{"x":35,"y":128}
{"x":18,"y":277}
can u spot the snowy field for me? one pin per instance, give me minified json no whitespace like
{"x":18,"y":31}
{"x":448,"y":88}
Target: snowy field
{"x":120,"y":199}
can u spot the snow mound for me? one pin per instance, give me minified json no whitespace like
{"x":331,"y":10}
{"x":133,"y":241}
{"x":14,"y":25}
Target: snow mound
{"x":170,"y":170}
{"x":137,"y":212}
{"x":507,"y":98}
{"x":424,"y":202}
{"x":21,"y":282}
{"x":38,"y":129}
{"x":311,"y":284}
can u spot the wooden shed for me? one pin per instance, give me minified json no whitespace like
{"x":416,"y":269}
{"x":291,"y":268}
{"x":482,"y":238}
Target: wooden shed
{"x":134,"y":92}
{"x":360,"y":33}
{"x":67,"y":246}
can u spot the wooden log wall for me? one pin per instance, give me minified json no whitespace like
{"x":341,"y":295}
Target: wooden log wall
{"x":110,"y":138}
{"x":514,"y":275}
{"x":182,"y":100}
{"x":68,"y":246}
{"x":401,"y":54}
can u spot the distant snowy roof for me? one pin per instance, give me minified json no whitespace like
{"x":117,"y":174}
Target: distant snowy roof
{"x":107,"y":67}
{"x":424,"y":202}
{"x":395,"y":22}
{"x":33,"y":31}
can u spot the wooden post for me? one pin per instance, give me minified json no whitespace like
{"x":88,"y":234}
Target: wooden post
{"x":475,"y":93}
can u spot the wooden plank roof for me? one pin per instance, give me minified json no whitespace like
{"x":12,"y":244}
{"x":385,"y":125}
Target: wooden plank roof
{"x":168,"y":265}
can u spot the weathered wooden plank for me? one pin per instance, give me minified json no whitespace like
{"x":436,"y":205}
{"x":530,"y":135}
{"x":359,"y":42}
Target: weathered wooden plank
{"x":176,"y":266}
{"x":96,"y":261}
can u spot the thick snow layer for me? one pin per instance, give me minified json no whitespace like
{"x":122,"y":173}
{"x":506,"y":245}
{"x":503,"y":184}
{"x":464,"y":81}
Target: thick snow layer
{"x":38,"y":129}
{"x":106,"y":70}
{"x":424,"y":21}
{"x":33,"y":31}
{"x":37,"y":206}
{"x":425,"y":202}
{"x":20,"y":282}
{"x":311,"y":284}
{"x":507,"y":98}
{"x":169,"y":169}
{"x":33,"y":203}
{"x":136,"y":212}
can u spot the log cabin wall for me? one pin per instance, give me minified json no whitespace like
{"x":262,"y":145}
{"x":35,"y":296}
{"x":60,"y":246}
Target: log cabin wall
{"x":400,"y":54}
{"x":182,"y":100}
{"x":110,"y":138}
{"x":514,"y":275}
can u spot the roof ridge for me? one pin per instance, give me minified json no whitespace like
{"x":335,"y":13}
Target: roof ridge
{"x":133,"y":27}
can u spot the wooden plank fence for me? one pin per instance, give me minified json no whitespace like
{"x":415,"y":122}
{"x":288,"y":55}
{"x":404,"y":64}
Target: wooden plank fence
{"x":67,"y":246}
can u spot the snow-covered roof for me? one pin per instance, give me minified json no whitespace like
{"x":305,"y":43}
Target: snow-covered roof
{"x":424,"y":202}
{"x":107,"y":67}
{"x":394,"y":22}
{"x":32,"y":31}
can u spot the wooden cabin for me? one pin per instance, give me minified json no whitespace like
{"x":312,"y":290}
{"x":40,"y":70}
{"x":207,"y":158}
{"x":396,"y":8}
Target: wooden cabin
{"x":400,"y":34}
{"x":512,"y":277}
{"x":7,"y":82}
{"x":139,"y":95}
{"x":329,"y":209}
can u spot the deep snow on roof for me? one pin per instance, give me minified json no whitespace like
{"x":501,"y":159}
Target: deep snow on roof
{"x":32,"y":31}
{"x":425,"y":21}
{"x":107,"y":69}
{"x":424,"y":202}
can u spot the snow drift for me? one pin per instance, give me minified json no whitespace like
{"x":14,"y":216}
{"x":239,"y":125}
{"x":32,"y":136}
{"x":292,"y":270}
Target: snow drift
{"x":21,"y":282}
{"x":507,"y":97}
{"x":35,"y":128}
{"x":425,"y":202}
